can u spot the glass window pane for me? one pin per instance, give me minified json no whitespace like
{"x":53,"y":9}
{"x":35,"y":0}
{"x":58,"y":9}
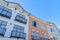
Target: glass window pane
{"x":6,"y":9}
{"x":17,"y":17}
{"x":34,"y":23}
{"x":0,"y":21}
{"x":14,"y":34}
{"x":0,"y":10}
{"x":1,"y":7}
{"x":10,"y":11}
{"x":14,"y":29}
{"x":21,"y":30}
{"x":3,"y":26}
{"x":4,"y":12}
{"x":43,"y":27}
{"x":21,"y":18}
{"x":8,"y":14}
{"x":18,"y":34}
{"x":2,"y":31}
{"x":4,"y":23}
{"x":25,"y":20}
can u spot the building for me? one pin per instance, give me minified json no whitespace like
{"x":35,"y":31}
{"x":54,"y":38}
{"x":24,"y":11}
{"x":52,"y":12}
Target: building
{"x":14,"y":21}
{"x":52,"y":31}
{"x":59,"y":33}
{"x":37,"y":29}
{"x":17,"y":24}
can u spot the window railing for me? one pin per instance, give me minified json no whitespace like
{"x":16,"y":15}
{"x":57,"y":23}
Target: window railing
{"x":21,"y":19}
{"x":18,"y":35}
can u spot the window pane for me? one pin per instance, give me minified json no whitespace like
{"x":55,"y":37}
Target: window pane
{"x":17,"y":17}
{"x":1,"y":31}
{"x":15,"y":29}
{"x":4,"y":12}
{"x":1,"y":7}
{"x":3,"y":26}
{"x":4,"y":23}
{"x":8,"y":14}
{"x":34,"y":23}
{"x":14,"y":33}
{"x":18,"y":34}
{"x":43,"y":27}
{"x":21,"y":19}
{"x":20,"y":30}
{"x":0,"y":10}
{"x":0,"y":22}
{"x":8,"y":10}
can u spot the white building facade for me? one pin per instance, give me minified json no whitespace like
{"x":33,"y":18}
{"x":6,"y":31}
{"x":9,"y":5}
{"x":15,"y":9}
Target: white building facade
{"x":14,"y":21}
{"x":53,"y":32}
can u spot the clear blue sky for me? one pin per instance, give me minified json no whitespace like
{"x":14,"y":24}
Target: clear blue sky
{"x":48,"y":10}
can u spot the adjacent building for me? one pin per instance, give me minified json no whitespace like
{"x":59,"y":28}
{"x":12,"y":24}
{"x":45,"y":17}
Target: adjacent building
{"x":59,"y":33}
{"x":37,"y":29}
{"x":52,"y":31}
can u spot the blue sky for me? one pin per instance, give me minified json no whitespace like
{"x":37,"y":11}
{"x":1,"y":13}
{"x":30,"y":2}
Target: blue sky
{"x":48,"y":10}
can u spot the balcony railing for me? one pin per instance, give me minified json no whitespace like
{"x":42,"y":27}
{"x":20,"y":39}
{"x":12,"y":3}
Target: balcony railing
{"x":18,"y":35}
{"x":44,"y":38}
{"x":21,"y":19}
{"x":35,"y":37}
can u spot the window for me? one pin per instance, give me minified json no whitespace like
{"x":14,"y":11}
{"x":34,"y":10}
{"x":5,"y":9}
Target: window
{"x":34,"y":23}
{"x":35,"y":35}
{"x":54,"y":38}
{"x":52,"y":30}
{"x":2,"y":27}
{"x":5,"y":12}
{"x":21,"y":19}
{"x":18,"y":32}
{"x":1,"y":8}
{"x":44,"y":37}
{"x":51,"y":39}
{"x":43,"y":27}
